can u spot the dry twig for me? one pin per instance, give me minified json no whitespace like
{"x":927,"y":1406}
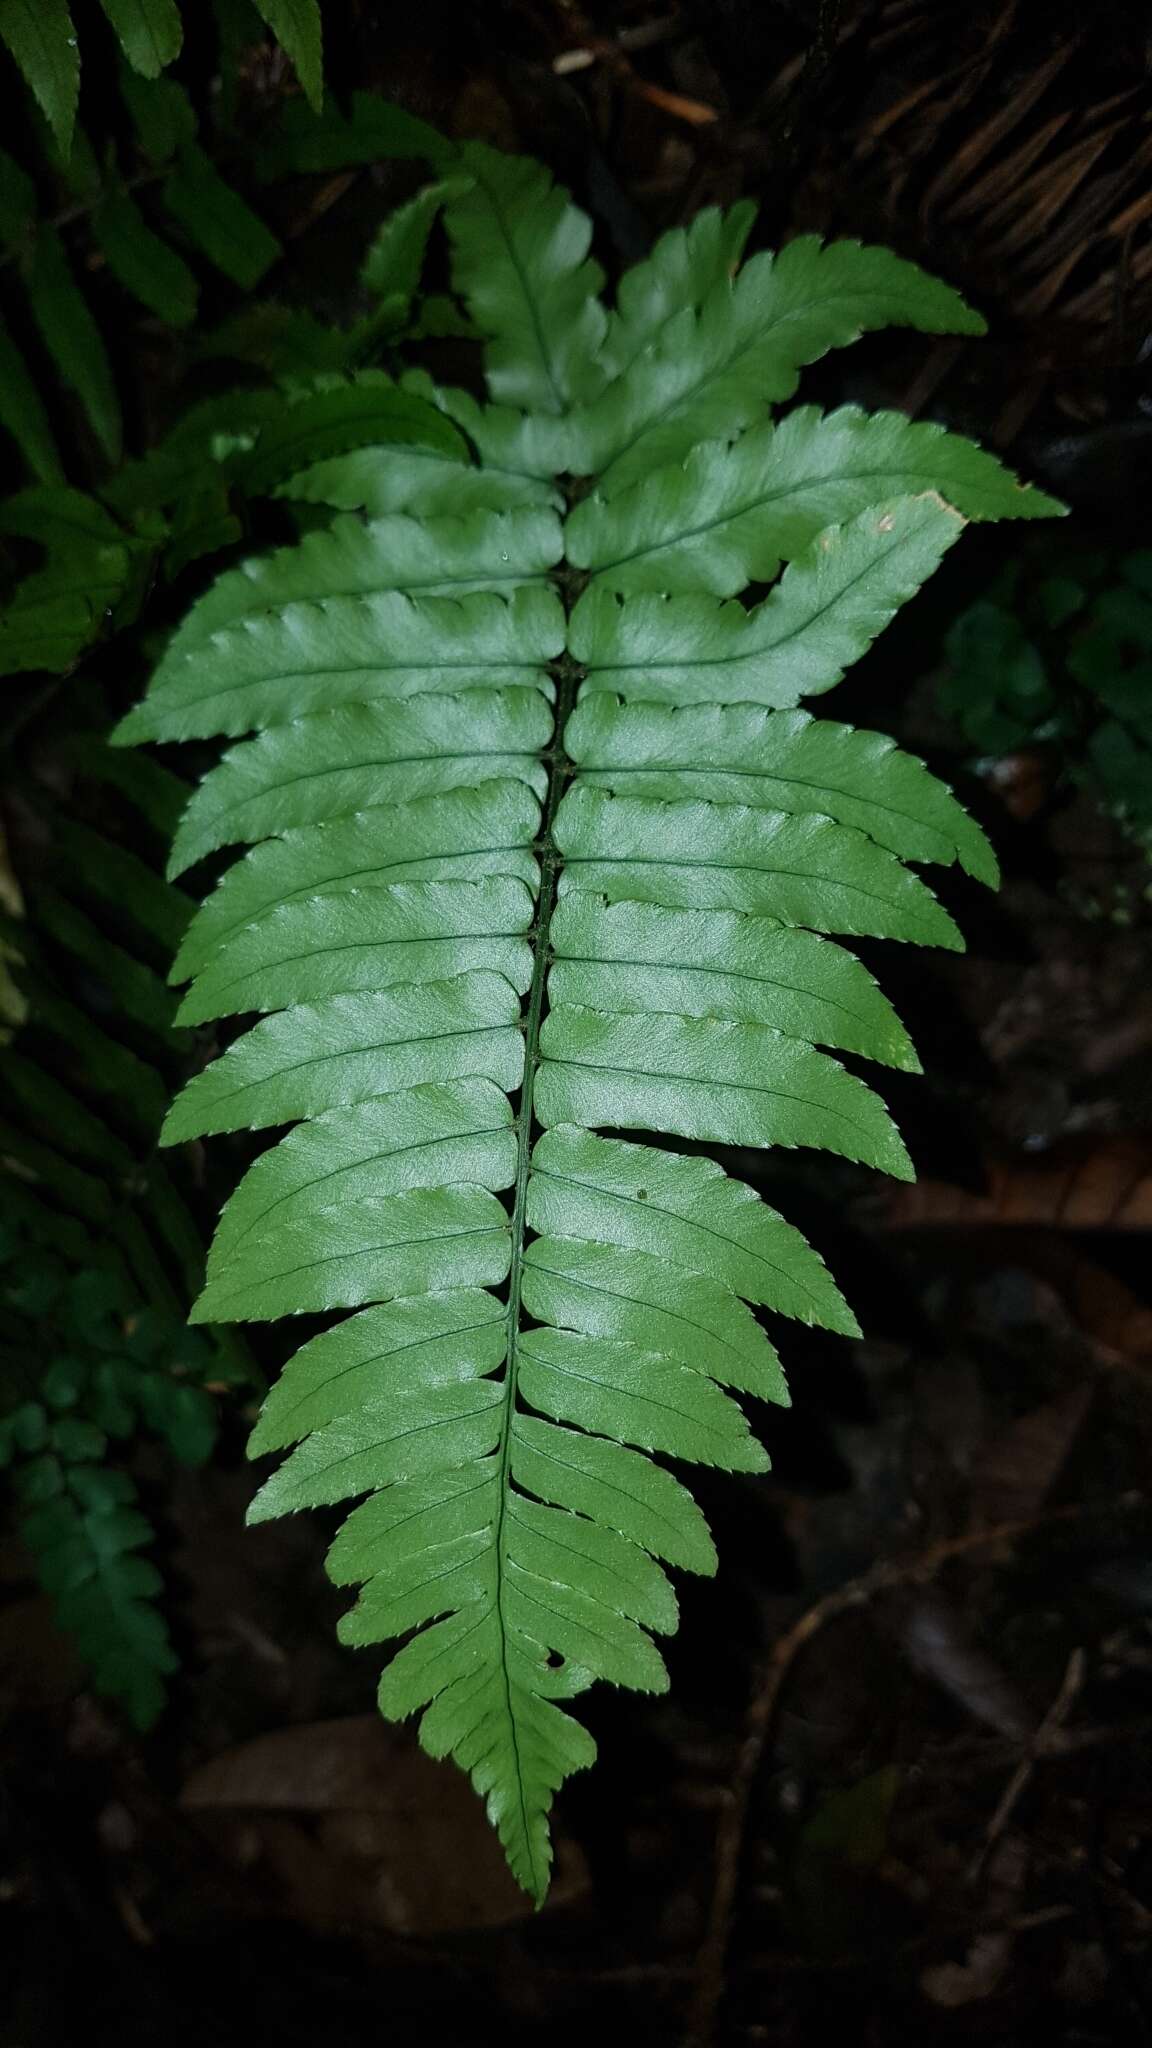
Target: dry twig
{"x":1042,"y":1744}
{"x":761,"y":1718}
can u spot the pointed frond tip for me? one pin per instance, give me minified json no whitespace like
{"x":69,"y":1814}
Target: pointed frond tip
{"x":539,"y":883}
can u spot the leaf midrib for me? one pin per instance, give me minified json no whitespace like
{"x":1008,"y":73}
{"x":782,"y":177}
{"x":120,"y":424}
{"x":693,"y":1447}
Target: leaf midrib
{"x":805,"y":1102}
{"x":354,"y":767}
{"x":358,"y":946}
{"x":803,"y":625}
{"x":321,"y":1059}
{"x":893,"y":475}
{"x":324,"y":886}
{"x":375,"y":666}
{"x":354,"y":1165}
{"x":792,"y":988}
{"x":637,"y":1394}
{"x":692,"y":1222}
{"x":739,"y":867}
{"x":402,"y":1435}
{"x":578,"y":1280}
{"x":441,"y":586}
{"x":563,"y":1430}
{"x":436,"y":1235}
{"x":526,"y":294}
{"x":736,"y":355}
{"x":378,"y":1358}
{"x":559,"y":769}
{"x":716,"y":771}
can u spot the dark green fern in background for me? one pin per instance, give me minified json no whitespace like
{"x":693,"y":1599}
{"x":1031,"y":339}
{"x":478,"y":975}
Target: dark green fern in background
{"x":543,"y":858}
{"x":41,"y":36}
{"x":84,"y":1368}
{"x":104,"y":519}
{"x":136,"y":218}
{"x":150,"y":200}
{"x":1057,"y":653}
{"x":99,"y":1248}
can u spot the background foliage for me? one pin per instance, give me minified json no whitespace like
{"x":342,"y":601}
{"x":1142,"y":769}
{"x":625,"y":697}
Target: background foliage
{"x":111,"y":516}
{"x":1058,"y":652}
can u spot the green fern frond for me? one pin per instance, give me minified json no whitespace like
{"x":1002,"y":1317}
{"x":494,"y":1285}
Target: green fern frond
{"x":137,"y":200}
{"x":150,"y":32}
{"x":522,"y":265}
{"x":394,"y":264}
{"x":824,"y":613}
{"x":89,"y":570}
{"x":73,"y":339}
{"x":83,"y":1525}
{"x":85,"y":1369}
{"x":539,"y":850}
{"x":682,"y":270}
{"x":298,"y":28}
{"x":40,"y":37}
{"x":729,"y":515}
{"x":715,"y":370}
{"x":24,"y":415}
{"x":143,"y":262}
{"x":87,"y":1072}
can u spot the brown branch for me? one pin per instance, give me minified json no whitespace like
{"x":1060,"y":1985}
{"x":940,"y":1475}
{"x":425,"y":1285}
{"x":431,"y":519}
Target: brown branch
{"x":1042,"y":1744}
{"x":585,"y":47}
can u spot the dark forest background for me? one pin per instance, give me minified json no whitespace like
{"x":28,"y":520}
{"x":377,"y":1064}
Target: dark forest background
{"x":902,"y":1786}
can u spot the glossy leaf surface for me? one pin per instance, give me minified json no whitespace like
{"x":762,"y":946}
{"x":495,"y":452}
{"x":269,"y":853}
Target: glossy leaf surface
{"x":536,"y":855}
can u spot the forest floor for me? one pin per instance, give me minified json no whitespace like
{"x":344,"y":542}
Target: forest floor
{"x":902,"y":1782}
